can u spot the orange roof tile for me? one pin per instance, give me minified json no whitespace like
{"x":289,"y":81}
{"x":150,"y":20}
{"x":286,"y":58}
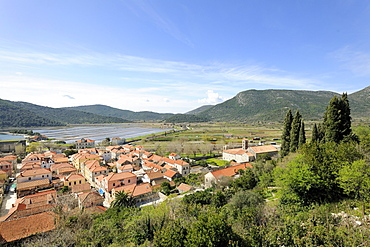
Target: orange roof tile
{"x":184,"y":187}
{"x":170,"y":173}
{"x":119,"y":176}
{"x":28,"y":173}
{"x":23,"y":227}
{"x":230,"y":171}
{"x":263,"y":149}
{"x":31,"y":184}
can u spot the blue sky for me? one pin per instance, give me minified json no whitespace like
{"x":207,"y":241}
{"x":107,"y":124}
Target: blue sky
{"x":176,"y":55}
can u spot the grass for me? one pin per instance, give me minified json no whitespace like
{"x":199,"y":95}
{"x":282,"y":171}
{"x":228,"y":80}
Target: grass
{"x":217,"y":161}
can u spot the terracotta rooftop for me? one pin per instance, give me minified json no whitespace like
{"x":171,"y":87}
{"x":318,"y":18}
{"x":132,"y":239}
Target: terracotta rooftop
{"x":31,"y":184}
{"x":28,"y":173}
{"x":81,"y":188}
{"x":135,"y":190}
{"x":264,"y":149}
{"x":21,"y":228}
{"x":184,"y":187}
{"x":237,"y":151}
{"x":170,"y":173}
{"x":119,"y":176}
{"x":73,"y":177}
{"x":230,"y":171}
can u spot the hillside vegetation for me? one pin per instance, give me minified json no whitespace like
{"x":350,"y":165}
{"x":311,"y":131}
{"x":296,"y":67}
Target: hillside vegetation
{"x":271,"y":105}
{"x":23,"y":114}
{"x":14,"y":116}
{"x":126,"y":114}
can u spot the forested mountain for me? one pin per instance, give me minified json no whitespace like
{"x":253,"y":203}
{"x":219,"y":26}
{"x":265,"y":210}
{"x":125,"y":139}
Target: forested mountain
{"x":54,"y":116}
{"x":360,"y":103}
{"x":271,"y":105}
{"x":199,"y":109}
{"x":126,"y":114}
{"x":14,"y":116}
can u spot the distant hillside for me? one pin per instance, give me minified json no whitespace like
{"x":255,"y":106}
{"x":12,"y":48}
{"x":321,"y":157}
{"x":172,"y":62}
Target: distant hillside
{"x":199,"y":109}
{"x":66,"y":116}
{"x":187,"y":118}
{"x":270,"y":105}
{"x":14,"y":116}
{"x":126,"y":114}
{"x":360,"y":103}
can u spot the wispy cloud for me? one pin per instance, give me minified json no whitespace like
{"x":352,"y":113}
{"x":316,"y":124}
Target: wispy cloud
{"x":357,"y":62}
{"x":142,"y":83}
{"x":140,"y":7}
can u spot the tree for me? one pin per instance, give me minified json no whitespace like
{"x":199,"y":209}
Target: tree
{"x":210,"y":230}
{"x":354,"y":179}
{"x":345,"y":116}
{"x":294,"y":133}
{"x":337,"y":120}
{"x":122,"y":200}
{"x":315,"y":133}
{"x":166,"y":188}
{"x":285,"y":137}
{"x":302,"y":135}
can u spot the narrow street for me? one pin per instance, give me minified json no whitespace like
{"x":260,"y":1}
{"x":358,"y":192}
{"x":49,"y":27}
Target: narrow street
{"x":9,"y":199}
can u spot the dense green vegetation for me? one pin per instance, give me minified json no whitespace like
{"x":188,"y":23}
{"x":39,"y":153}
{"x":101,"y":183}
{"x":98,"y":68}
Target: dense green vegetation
{"x":22,"y":114}
{"x":199,"y":109}
{"x":125,"y":114}
{"x":69,"y":116}
{"x":14,"y":116}
{"x":271,"y":105}
{"x":186,"y":118}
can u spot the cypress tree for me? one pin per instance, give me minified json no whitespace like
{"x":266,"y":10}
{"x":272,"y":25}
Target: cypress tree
{"x":337,"y":119}
{"x":332,"y":121}
{"x":315,"y":133}
{"x":345,"y":112}
{"x":294,"y":132}
{"x":285,"y":137}
{"x":302,"y":135}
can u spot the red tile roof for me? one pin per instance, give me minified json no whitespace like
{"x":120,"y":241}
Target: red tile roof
{"x":21,"y":228}
{"x":263,"y":149}
{"x":32,"y":184}
{"x":230,"y":171}
{"x":28,"y":173}
{"x":184,"y":187}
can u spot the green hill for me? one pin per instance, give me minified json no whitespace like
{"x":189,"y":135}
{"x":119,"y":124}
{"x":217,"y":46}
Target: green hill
{"x":66,"y":116}
{"x":126,"y":114}
{"x":15,"y":116}
{"x":199,"y":109}
{"x":360,"y":103}
{"x":270,"y":105}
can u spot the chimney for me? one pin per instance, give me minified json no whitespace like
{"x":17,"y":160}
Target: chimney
{"x":244,"y":144}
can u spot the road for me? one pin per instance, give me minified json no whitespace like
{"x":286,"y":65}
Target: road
{"x":9,"y":199}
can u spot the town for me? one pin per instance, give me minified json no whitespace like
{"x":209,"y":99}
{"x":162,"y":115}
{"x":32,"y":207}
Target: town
{"x":91,"y":178}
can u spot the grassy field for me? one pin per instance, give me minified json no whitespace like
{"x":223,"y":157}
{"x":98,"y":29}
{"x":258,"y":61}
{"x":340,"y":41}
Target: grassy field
{"x":215,"y":135}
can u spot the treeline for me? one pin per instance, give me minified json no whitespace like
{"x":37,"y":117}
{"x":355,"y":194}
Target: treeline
{"x":187,"y":118}
{"x":22,"y":114}
{"x":13,"y":116}
{"x":25,"y":132}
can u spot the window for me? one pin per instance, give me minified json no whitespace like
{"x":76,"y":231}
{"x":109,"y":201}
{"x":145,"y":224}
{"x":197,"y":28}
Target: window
{"x":129,"y":181}
{"x":42,"y":176}
{"x":29,"y":178}
{"x":114,"y":184}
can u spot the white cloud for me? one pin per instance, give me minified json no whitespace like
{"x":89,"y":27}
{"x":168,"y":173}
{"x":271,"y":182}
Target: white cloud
{"x":357,"y":62}
{"x":135,"y":83}
{"x":212,"y":98}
